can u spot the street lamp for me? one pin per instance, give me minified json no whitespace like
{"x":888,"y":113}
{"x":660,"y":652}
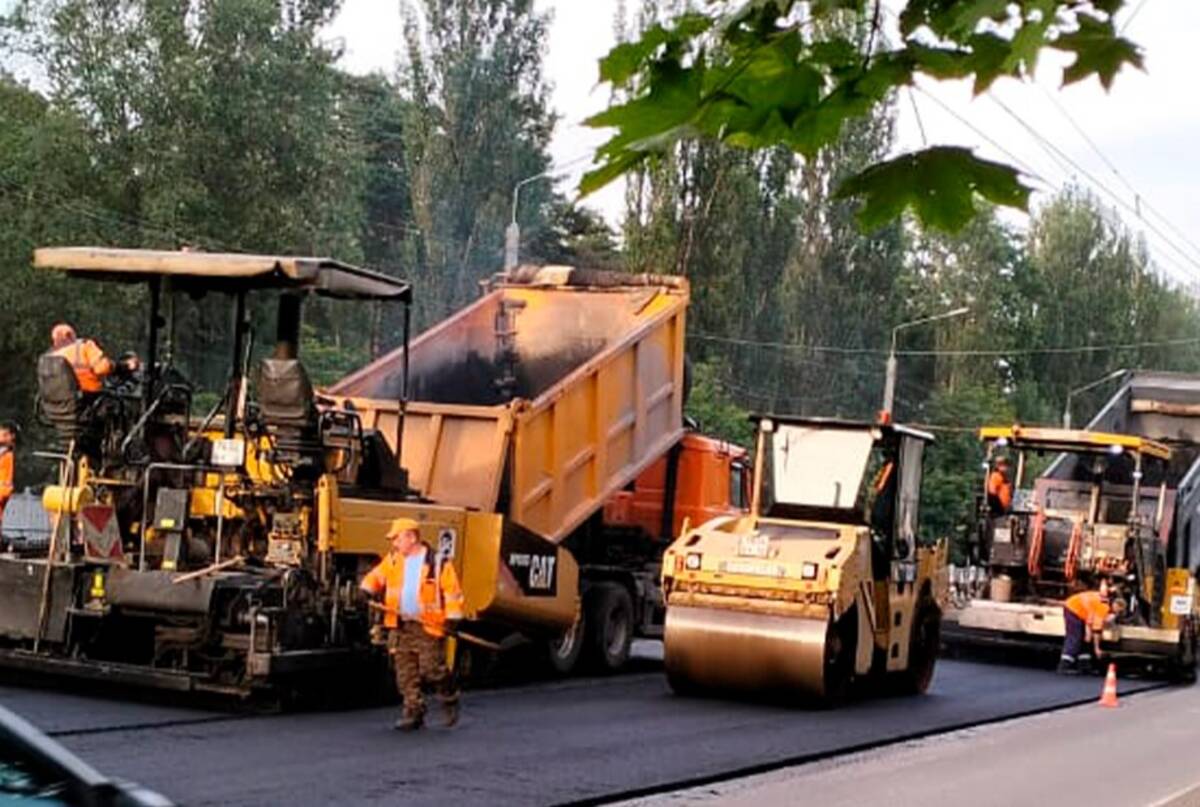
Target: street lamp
{"x":512,"y":235}
{"x":889,"y":387}
{"x":1066,"y":417}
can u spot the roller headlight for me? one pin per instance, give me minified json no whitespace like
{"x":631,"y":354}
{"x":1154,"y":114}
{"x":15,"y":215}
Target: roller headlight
{"x":693,"y":561}
{"x":809,"y":571}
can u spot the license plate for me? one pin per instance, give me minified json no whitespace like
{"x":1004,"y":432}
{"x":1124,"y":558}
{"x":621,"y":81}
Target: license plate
{"x":228,"y":453}
{"x":753,"y":546}
{"x":755,"y":568}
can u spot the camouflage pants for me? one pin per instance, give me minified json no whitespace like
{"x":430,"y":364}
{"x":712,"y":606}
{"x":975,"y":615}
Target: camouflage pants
{"x":420,"y":660}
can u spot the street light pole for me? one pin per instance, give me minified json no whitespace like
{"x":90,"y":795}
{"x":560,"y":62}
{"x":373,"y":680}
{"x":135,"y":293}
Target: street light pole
{"x":512,"y":234}
{"x":889,"y":386}
{"x":1066,"y":416}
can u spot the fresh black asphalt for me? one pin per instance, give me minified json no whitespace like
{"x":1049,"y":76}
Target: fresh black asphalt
{"x":547,"y":743}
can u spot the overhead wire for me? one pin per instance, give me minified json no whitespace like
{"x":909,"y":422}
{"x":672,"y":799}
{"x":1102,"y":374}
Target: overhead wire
{"x":1140,"y":200}
{"x":1054,"y":350}
{"x":1132,"y":16}
{"x":1190,"y":266}
{"x":1051,"y":148}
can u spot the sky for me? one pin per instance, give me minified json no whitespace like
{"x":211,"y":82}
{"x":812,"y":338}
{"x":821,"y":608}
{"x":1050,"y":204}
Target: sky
{"x":1137,"y":149}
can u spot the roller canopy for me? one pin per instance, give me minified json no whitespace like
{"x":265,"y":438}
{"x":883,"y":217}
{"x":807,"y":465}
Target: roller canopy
{"x":232,"y":272}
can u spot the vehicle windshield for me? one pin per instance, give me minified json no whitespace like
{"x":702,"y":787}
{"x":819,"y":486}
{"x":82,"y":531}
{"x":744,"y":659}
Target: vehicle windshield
{"x":819,"y":467}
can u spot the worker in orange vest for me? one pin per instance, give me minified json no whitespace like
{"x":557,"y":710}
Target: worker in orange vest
{"x":999,"y":488}
{"x":8,"y":439}
{"x":422,"y":600}
{"x":85,"y":357}
{"x":1085,"y":616}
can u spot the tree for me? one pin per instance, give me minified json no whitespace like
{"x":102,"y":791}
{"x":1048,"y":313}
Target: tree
{"x":762,"y":73}
{"x":575,"y":236}
{"x":221,"y":124}
{"x":1091,"y":283}
{"x":479,"y":123}
{"x":953,"y":478}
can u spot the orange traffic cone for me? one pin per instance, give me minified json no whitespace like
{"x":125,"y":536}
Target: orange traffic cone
{"x":1109,"y":696}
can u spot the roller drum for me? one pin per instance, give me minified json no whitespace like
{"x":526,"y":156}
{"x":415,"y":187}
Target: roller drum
{"x":714,"y":649}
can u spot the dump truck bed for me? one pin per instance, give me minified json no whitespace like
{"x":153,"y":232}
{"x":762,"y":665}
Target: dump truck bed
{"x":538,"y":401}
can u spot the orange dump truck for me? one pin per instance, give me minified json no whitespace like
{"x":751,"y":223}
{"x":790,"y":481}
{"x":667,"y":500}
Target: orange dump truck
{"x":543,"y":433}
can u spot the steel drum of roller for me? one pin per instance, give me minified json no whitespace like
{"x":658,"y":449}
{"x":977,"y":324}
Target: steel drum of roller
{"x":714,"y":649}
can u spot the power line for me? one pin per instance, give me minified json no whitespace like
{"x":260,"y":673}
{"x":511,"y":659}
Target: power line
{"x":1139,"y":198}
{"x":1051,"y":148}
{"x":1022,"y":164}
{"x":1057,"y":350}
{"x":1062,"y":162}
{"x":1133,"y":15}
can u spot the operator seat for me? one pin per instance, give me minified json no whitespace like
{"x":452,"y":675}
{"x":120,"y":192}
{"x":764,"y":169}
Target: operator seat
{"x":287,"y":406}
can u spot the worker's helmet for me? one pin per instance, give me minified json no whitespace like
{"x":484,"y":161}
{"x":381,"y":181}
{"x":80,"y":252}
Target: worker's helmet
{"x":62,"y":334}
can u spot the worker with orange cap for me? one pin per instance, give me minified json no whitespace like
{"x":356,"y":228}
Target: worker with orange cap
{"x":422,"y":599}
{"x":85,"y":357}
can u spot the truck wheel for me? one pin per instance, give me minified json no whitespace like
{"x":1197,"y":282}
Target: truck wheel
{"x":610,"y":620}
{"x":563,"y":652}
{"x":923,"y":647}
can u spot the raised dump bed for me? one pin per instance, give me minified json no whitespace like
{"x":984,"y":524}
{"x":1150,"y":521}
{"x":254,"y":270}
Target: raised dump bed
{"x":538,"y":401}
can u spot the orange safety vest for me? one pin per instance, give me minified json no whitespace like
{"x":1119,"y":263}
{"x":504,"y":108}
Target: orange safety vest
{"x":999,"y":488}
{"x":88,"y":361}
{"x":440,"y":599}
{"x":6,"y":475}
{"x":1088,"y":606}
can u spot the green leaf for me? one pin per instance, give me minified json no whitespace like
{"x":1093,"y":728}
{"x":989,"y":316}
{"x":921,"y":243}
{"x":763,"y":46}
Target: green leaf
{"x":939,"y":184}
{"x":836,"y":52}
{"x":1030,"y":37}
{"x":1109,"y":7}
{"x":775,"y":79}
{"x":612,"y":168}
{"x":989,"y":55}
{"x":1098,"y":51}
{"x":941,"y":63}
{"x":673,"y":100}
{"x":823,"y":8}
{"x":627,"y":59}
{"x":962,"y":18}
{"x":623,"y":61}
{"x":820,"y":125}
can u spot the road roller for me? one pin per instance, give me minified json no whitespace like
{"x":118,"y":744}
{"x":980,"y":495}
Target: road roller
{"x":823,"y":588}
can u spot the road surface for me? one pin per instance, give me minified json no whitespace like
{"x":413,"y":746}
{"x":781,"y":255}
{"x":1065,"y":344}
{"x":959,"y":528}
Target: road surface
{"x":551,"y":743}
{"x":1140,"y":754}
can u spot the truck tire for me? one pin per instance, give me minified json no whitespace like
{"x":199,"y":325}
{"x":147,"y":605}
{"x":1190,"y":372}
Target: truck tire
{"x":563,"y":652}
{"x":610,"y":626}
{"x":923,"y":645}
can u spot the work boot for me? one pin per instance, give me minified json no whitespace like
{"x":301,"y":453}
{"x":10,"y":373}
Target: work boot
{"x":409,"y":723}
{"x":1066,"y":667}
{"x":450,"y":708}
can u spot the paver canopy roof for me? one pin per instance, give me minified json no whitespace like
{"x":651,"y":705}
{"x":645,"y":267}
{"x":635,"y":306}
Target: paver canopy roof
{"x":233,"y":272}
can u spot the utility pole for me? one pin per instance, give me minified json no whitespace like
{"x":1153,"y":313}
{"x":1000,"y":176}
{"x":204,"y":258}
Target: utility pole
{"x":889,"y":386}
{"x":512,"y":234}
